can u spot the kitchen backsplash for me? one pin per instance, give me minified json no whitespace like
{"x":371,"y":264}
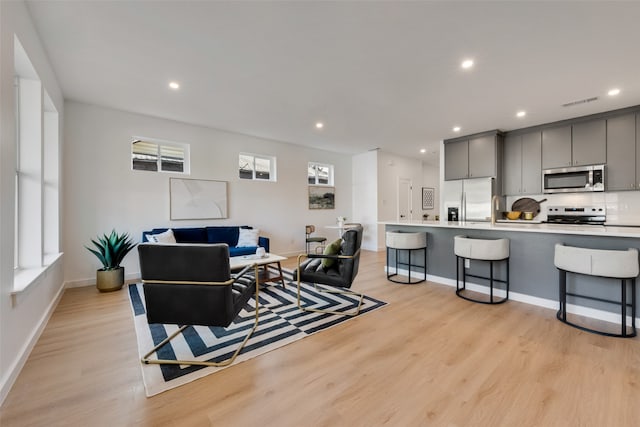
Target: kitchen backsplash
{"x":623,"y":207}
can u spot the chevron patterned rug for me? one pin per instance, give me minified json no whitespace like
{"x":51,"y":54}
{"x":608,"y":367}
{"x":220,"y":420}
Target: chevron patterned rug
{"x":281,"y":323}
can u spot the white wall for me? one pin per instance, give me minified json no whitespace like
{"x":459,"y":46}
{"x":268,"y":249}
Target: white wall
{"x":22,"y":319}
{"x":102,"y":192}
{"x":391,"y":168}
{"x":430,"y":178}
{"x":365,"y":197}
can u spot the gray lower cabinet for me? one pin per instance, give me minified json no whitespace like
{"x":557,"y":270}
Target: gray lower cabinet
{"x":575,"y":145}
{"x":621,"y":172}
{"x":522,"y":164}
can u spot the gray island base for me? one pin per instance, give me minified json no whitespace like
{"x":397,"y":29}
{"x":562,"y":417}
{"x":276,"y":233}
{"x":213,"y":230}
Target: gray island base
{"x":533,"y":275}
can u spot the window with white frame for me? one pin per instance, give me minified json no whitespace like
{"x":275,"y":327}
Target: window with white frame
{"x":320,"y":174}
{"x":256,"y":167}
{"x":37,"y":196}
{"x":149,"y":154}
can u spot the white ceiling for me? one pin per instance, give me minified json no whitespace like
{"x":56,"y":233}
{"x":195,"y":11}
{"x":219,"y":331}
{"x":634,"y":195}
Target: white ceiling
{"x":378,"y":74}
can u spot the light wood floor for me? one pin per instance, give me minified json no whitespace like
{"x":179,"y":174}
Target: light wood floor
{"x":427,"y":358}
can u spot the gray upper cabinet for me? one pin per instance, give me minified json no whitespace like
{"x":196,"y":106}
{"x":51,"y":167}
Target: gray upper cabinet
{"x":589,"y":143}
{"x":482,"y":156}
{"x":532,"y":163}
{"x":621,"y":153}
{"x":522,"y":164}
{"x":473,"y":157}
{"x":556,"y":147}
{"x":577,"y":145}
{"x":512,"y":165}
{"x":456,"y":160}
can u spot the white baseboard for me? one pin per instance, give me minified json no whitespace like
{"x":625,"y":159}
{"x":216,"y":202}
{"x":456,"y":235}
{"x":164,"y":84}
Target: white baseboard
{"x":592,"y":313}
{"x":128,"y":277}
{"x":12,"y":373}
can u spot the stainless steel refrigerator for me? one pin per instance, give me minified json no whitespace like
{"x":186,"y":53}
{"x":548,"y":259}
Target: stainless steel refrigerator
{"x":472,"y":198}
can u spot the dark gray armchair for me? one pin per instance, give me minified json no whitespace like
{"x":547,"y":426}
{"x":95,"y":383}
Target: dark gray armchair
{"x":190,"y":284}
{"x":337,"y":277}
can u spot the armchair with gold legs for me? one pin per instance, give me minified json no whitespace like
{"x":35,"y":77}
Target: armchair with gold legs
{"x":335,"y":270}
{"x":191,"y":284}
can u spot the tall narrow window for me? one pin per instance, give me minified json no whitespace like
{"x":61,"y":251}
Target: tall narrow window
{"x":50,"y":177}
{"x":256,"y":167}
{"x":37,"y":195}
{"x":319,"y":174}
{"x":159,"y":156}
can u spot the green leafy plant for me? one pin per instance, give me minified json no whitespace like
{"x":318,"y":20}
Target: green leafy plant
{"x":111,"y":249}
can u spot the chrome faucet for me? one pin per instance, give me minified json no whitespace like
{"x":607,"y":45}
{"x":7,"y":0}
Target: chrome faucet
{"x":495,"y":205}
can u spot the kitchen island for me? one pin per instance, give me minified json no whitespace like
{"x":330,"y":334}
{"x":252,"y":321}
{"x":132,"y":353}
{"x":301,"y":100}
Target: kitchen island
{"x":533,"y":275}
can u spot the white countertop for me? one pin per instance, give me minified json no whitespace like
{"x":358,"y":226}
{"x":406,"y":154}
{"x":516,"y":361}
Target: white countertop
{"x":587,"y":230}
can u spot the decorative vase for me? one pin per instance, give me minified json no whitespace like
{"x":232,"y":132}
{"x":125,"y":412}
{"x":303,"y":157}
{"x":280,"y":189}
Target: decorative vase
{"x":110,"y":280}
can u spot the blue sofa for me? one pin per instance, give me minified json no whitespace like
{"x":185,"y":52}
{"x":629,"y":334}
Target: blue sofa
{"x":214,"y":234}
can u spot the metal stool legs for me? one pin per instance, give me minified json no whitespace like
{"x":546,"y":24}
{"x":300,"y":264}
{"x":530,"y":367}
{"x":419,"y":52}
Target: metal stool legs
{"x":491,"y":279}
{"x":561,"y":315}
{"x":409,"y":265}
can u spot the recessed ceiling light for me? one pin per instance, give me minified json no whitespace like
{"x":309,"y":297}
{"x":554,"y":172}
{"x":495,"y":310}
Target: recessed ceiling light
{"x":521,"y":113}
{"x":174,"y":85}
{"x":614,"y":92}
{"x":456,"y":129}
{"x":319,"y":125}
{"x":467,"y":63}
{"x":423,"y":150}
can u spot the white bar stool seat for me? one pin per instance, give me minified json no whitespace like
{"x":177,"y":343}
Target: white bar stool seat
{"x":614,"y":264}
{"x":406,"y":241}
{"x":490,"y":250}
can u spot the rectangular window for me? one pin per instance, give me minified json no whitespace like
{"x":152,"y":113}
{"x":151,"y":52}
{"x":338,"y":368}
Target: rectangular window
{"x":159,"y":156}
{"x":37,"y":195}
{"x":256,"y":167}
{"x":320,"y":174}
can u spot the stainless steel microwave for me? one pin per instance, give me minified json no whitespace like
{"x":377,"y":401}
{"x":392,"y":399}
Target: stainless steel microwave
{"x":573,"y":179}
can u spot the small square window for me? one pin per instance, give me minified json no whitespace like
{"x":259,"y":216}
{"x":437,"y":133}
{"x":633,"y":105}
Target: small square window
{"x":256,"y":167}
{"x":320,"y":174}
{"x":159,"y":156}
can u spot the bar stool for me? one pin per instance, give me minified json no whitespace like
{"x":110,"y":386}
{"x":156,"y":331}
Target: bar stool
{"x":481,"y":250}
{"x":406,"y":241}
{"x":612,"y":264}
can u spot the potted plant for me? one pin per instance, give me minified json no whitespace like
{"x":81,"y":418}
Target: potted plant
{"x":111,"y":250}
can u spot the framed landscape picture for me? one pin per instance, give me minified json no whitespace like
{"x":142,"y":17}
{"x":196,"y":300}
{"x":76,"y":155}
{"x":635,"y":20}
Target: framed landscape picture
{"x":197,"y":199}
{"x":322,"y":197}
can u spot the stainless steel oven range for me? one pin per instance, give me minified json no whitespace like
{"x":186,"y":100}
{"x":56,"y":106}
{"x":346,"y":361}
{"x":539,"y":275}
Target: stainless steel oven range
{"x":596,"y":215}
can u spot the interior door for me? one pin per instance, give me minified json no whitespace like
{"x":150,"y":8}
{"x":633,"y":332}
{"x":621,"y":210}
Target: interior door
{"x":404,"y":199}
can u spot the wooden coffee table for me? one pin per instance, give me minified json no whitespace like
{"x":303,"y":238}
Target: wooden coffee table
{"x":239,"y":262}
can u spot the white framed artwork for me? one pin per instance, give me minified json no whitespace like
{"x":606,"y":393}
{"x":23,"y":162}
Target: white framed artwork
{"x":197,"y":199}
{"x":428,"y":196}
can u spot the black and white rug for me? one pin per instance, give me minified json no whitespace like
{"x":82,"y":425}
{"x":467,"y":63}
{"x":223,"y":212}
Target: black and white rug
{"x":281,"y":323}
